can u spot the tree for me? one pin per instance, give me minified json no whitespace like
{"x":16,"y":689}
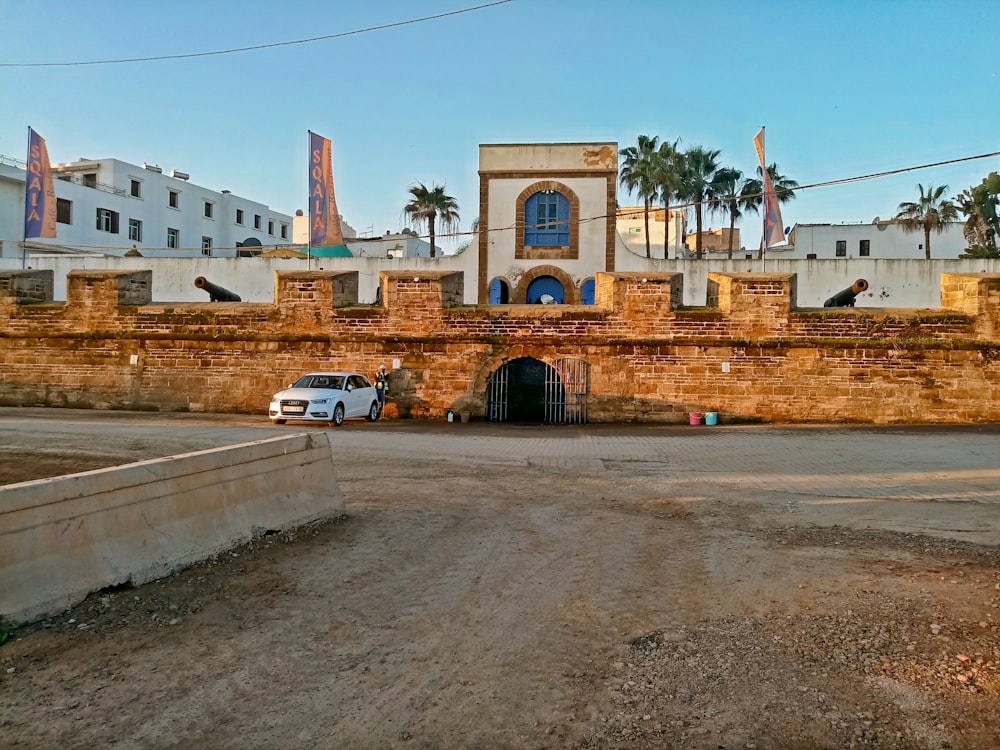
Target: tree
{"x":431,"y":206}
{"x":979,"y":205}
{"x":928,"y":214}
{"x":699,"y":184}
{"x":730,"y":182}
{"x":640,"y":173}
{"x":669,"y":175}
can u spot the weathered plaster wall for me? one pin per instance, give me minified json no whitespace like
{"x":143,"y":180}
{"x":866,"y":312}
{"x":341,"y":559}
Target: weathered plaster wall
{"x":749,"y":354}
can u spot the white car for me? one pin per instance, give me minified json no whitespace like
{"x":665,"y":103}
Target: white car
{"x":326,"y":397}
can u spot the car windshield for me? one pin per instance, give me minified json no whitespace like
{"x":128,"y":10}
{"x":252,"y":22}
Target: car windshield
{"x":320,"y":381}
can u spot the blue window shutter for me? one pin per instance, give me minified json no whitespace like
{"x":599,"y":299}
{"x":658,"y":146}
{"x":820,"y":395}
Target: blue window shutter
{"x":587,"y":292}
{"x":546,"y":220}
{"x":562,"y":215}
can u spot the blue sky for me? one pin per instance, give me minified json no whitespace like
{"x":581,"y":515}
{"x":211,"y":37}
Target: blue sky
{"x":844,"y":88}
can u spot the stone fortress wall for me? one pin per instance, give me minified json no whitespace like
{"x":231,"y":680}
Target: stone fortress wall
{"x":749,"y":354}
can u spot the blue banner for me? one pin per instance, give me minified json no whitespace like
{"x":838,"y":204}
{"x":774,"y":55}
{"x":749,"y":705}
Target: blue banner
{"x":39,"y":192}
{"x":324,"y":219}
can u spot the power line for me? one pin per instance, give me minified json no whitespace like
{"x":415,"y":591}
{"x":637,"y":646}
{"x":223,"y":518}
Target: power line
{"x":257,"y":46}
{"x":636,"y":212}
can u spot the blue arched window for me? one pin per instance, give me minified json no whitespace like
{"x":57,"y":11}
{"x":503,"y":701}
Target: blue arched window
{"x":499,"y":293}
{"x":546,"y":220}
{"x":545,"y":289}
{"x":587,"y":292}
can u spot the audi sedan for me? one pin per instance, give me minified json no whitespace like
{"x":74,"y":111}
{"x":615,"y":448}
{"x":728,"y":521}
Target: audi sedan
{"x":326,"y":397}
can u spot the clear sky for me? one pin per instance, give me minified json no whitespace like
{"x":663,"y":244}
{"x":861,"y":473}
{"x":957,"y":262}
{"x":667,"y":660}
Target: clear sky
{"x":845,"y":88}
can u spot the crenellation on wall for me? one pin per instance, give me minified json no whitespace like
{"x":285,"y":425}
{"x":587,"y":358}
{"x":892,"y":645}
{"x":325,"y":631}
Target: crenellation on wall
{"x":87,"y":289}
{"x":758,"y":304}
{"x":977,"y":295}
{"x":26,"y":287}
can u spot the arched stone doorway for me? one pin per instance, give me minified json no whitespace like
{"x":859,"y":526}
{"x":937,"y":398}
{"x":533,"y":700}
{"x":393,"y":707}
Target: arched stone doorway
{"x":529,"y":390}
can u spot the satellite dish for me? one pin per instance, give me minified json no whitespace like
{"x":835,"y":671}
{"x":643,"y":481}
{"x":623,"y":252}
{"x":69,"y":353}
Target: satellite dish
{"x":547,"y":299}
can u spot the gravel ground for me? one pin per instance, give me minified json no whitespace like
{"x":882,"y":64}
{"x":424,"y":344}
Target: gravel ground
{"x":510,"y":591}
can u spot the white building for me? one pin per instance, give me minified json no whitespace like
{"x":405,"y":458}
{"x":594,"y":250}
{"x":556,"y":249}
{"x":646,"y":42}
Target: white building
{"x":108,"y":206}
{"x":631,"y":225}
{"x":880,"y":239}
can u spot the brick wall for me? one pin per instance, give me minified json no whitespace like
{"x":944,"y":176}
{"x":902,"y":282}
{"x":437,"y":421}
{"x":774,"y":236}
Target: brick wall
{"x":750,"y":354}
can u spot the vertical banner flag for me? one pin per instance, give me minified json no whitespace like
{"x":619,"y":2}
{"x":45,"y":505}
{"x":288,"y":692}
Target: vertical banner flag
{"x":773,"y":232}
{"x":324,"y":219}
{"x":39,"y":192}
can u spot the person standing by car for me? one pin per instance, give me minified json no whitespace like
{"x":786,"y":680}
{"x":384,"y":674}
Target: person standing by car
{"x":381,"y":388}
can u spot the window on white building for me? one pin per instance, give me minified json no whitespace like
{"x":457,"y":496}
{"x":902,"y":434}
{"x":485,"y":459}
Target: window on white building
{"x":173,"y":199}
{"x":284,"y":231}
{"x":209,"y":209}
{"x":239,"y":216}
{"x":841,"y":248}
{"x":173,"y":238}
{"x":107,"y":220}
{"x":64,"y":211}
{"x":90,"y":180}
{"x":270,"y":228}
{"x":256,"y":221}
{"x":135,"y":230}
{"x":206,"y":245}
{"x":136,"y":188}
{"x":865,"y":248}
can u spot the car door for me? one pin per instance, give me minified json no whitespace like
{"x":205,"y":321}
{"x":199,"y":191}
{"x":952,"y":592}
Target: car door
{"x":357,"y":403}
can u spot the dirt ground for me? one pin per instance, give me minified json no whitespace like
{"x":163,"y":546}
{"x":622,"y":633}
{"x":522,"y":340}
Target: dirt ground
{"x":514,"y":602}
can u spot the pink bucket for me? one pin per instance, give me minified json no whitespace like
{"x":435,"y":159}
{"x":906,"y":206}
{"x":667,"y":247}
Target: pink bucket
{"x":695,"y":417}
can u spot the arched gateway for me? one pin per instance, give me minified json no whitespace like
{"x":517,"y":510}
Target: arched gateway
{"x":529,"y":390}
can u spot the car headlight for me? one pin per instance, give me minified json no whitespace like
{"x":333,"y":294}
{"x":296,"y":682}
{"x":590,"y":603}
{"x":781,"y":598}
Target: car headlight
{"x":319,"y":401}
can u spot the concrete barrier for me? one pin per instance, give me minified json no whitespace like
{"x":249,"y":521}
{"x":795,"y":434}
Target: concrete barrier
{"x":66,"y":537}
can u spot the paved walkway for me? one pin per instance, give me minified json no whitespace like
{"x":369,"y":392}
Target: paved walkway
{"x":943,"y":481}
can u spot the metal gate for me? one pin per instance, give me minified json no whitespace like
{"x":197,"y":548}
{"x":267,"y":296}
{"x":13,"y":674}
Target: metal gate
{"x":566,"y":392}
{"x":496,"y":394}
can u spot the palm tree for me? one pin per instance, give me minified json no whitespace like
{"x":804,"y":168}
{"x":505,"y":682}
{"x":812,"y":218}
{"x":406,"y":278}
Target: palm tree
{"x":730,"y":182}
{"x":640,"y":173}
{"x":698,"y":184}
{"x":927,"y":214}
{"x":979,"y":206}
{"x":669,"y":179}
{"x":430,"y":206}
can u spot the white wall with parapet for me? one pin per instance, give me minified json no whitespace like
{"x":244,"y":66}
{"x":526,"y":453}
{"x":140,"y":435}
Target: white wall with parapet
{"x":892,"y":282}
{"x":251,"y":278}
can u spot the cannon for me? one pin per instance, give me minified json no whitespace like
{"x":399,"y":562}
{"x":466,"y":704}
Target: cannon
{"x":215,"y":292}
{"x":845,"y":297}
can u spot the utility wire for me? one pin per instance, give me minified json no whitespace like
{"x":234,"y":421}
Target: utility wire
{"x":636,"y":212}
{"x":257,"y":46}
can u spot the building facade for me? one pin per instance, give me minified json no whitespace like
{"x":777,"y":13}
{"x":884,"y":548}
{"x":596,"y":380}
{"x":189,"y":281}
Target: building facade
{"x":108,"y":206}
{"x":547,"y":220}
{"x":880,"y":239}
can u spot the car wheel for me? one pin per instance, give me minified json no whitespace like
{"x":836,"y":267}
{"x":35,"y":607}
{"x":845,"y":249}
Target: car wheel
{"x":373,"y":413}
{"x":279,"y":421}
{"x":338,"y":415}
